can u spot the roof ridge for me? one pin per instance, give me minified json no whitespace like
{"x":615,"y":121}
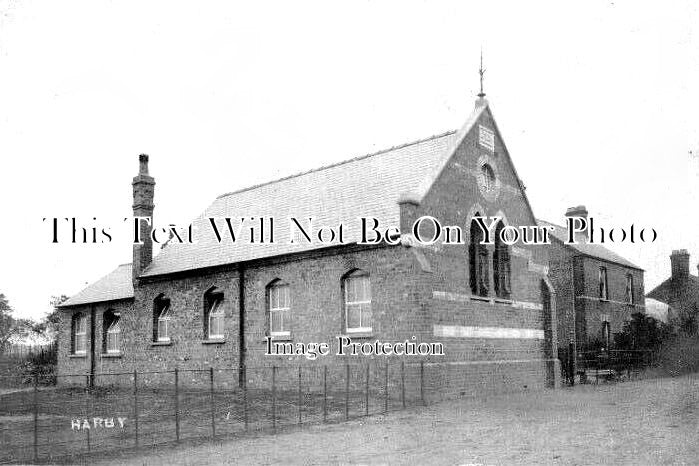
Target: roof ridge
{"x":325,"y":167}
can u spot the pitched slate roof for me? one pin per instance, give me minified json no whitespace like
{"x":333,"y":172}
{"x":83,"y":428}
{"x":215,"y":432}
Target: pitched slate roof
{"x":367,"y":186}
{"x":593,"y":250}
{"x":113,"y":286}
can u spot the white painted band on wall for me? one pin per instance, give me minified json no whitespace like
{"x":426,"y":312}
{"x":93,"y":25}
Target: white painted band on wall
{"x":458,"y":331}
{"x":465,"y":298}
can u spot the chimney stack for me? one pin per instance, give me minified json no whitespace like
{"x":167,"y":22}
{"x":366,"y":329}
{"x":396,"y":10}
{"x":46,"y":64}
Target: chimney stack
{"x":143,"y":192}
{"x":679,"y":260}
{"x":578,"y":211}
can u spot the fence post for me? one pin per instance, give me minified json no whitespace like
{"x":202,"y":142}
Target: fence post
{"x":36,"y":417}
{"x":325,"y":393}
{"x":274,"y":397}
{"x":422,"y":383}
{"x":213,"y":413}
{"x":347,"y":384}
{"x":385,"y":386}
{"x":366,"y":390}
{"x":245,"y":401}
{"x":87,"y":413}
{"x":402,"y":382}
{"x":300,"y":395}
{"x":135,"y":405}
{"x":177,"y":406}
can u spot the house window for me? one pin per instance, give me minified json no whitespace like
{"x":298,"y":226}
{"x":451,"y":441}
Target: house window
{"x":213,"y":314}
{"x":111,"y":336}
{"x":79,"y":325}
{"x":603,"y":288}
{"x":478,"y":261}
{"x":629,"y":289}
{"x":357,"y":295}
{"x":501,"y":265}
{"x":161,"y":319}
{"x":279,"y":309}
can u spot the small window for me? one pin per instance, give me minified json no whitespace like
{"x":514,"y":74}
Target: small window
{"x":79,"y":334}
{"x":603,"y":289}
{"x":629,"y":289}
{"x":111,"y":335}
{"x":213,"y":314}
{"x":279,"y":309}
{"x":357,"y":294}
{"x":488,"y":177}
{"x":161,"y":319}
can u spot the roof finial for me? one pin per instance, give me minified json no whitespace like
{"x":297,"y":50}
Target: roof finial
{"x":481,"y":71}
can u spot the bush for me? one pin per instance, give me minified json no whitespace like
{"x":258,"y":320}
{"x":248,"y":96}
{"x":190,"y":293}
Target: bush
{"x":643,"y":332}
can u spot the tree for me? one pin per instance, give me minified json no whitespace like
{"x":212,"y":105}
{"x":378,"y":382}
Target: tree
{"x":642,"y":332}
{"x":7,"y":322}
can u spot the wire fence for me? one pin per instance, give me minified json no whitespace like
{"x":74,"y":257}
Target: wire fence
{"x":84,"y":414}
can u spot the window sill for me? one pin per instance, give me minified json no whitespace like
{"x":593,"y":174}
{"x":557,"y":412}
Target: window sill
{"x":484,"y":299}
{"x":78,"y":356}
{"x":503,"y":301}
{"x":355,"y":335}
{"x":213,"y":341}
{"x":288,"y":337}
{"x":111,"y":355}
{"x":161,"y":343}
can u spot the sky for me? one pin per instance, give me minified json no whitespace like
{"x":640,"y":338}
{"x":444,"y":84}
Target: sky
{"x":597,"y":103}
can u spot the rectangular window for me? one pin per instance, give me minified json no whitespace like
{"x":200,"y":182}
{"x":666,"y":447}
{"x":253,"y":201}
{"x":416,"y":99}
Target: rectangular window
{"x":629,"y":289}
{"x":216,"y":320}
{"x":164,"y":324}
{"x":80,"y":335}
{"x":358,"y":315}
{"x":279,"y":310}
{"x":603,"y":289}
{"x":114,"y":337}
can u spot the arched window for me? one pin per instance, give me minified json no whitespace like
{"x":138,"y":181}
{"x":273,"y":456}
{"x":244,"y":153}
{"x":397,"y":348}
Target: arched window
{"x":213,"y":314}
{"x":478,"y":261}
{"x":111,"y":332}
{"x":161,"y":319}
{"x":501,"y":265}
{"x":357,"y":301}
{"x":488,"y":177}
{"x":279,"y":309}
{"x":79,"y":333}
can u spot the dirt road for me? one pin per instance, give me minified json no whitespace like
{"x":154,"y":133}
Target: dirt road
{"x":642,"y":422}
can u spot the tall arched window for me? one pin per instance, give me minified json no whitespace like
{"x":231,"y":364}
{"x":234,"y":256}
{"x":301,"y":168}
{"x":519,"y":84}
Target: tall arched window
{"x":111,"y":332}
{"x":161,"y":319}
{"x":279,"y":309}
{"x":213,"y":314}
{"x":79,"y":333}
{"x":478,"y":261}
{"x":356,"y":288}
{"x":501,"y":265}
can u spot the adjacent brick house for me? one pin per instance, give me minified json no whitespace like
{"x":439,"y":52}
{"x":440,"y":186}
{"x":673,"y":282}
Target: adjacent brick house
{"x":213,"y":303}
{"x":680,"y":292}
{"x":597,"y":290}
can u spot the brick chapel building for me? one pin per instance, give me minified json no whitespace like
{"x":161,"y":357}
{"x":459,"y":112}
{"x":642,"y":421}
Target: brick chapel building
{"x":597,"y":290}
{"x":213,"y":303}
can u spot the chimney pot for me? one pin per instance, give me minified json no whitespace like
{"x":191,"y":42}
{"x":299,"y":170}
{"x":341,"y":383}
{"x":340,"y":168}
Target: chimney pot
{"x":577,"y":211}
{"x":143,"y":164}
